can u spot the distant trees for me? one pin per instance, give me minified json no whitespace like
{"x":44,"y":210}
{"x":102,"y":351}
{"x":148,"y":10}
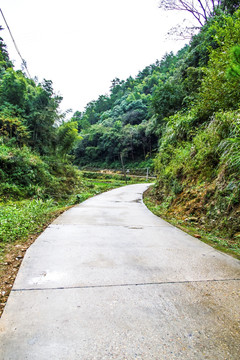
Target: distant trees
{"x":133,"y":119}
{"x":125,"y":121}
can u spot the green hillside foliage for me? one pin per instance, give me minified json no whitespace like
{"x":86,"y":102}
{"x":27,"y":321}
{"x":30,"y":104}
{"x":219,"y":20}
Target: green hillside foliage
{"x":34,"y":139}
{"x":37,"y":178}
{"x":198,"y":163}
{"x":184,"y":111}
{"x":130,"y":120}
{"x":24,"y":174}
{"x":123,"y":123}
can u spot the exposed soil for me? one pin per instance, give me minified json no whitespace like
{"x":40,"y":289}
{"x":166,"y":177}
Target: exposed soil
{"x":188,"y":211}
{"x":9,"y":268}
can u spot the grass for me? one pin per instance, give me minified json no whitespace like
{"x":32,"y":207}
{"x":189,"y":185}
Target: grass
{"x":17,"y":219}
{"x":21,"y":219}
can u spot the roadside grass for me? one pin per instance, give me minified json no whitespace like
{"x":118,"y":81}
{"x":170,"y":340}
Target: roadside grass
{"x":18,"y":219}
{"x":217,"y":239}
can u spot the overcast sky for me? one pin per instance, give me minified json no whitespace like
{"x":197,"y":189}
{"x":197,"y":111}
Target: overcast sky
{"x":81,"y":45}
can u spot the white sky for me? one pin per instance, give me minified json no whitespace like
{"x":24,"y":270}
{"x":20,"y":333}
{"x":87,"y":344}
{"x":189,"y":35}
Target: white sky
{"x":81,"y":45}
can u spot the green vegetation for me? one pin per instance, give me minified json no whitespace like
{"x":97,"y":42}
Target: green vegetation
{"x":199,"y":153}
{"x":37,"y":178}
{"x":179,"y":115}
{"x":25,"y":174}
{"x":20,"y":219}
{"x":123,"y":124}
{"x":184,"y":112}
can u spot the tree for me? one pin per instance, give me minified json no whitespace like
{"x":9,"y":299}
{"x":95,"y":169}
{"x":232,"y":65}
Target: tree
{"x":4,"y":57}
{"x":218,"y":91}
{"x":200,"y":9}
{"x":13,"y":127}
{"x":234,"y":69}
{"x":41,"y":114}
{"x":67,"y":135}
{"x":167,"y":99}
{"x":81,"y":119}
{"x":13,"y":88}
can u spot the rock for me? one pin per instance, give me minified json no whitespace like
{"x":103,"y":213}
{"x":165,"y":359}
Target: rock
{"x":197,"y":236}
{"x":192,"y":219}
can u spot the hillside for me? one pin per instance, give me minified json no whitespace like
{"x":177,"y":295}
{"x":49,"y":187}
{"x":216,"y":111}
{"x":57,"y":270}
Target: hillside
{"x":124,"y":123}
{"x":183,"y":112}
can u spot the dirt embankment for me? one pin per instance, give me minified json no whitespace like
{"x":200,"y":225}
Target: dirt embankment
{"x":9,"y":268}
{"x":201,"y":210}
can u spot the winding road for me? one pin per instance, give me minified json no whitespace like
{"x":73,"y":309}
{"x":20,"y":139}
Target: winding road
{"x":110,"y":280}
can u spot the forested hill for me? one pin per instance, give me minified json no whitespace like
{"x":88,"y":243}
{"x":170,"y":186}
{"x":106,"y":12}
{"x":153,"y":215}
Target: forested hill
{"x":184,"y":112}
{"x":132,"y":119}
{"x":124,"y":122}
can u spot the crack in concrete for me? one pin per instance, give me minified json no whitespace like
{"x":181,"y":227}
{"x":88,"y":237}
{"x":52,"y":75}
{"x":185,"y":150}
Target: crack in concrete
{"x":126,"y":201}
{"x":127,"y":285}
{"x":115,"y":225}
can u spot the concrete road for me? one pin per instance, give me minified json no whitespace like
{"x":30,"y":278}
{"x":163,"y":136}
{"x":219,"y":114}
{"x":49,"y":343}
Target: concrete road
{"x":109,"y":280}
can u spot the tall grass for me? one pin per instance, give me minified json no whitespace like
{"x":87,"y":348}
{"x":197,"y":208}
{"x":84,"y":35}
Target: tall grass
{"x":19,"y":219}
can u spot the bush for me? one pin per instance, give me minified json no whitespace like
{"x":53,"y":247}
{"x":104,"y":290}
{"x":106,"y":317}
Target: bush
{"x":24,"y":174}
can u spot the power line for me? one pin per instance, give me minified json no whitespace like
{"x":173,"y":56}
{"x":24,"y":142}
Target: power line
{"x":14,"y":42}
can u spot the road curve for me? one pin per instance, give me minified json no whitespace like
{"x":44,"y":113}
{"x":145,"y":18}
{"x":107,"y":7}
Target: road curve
{"x":109,"y":280}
